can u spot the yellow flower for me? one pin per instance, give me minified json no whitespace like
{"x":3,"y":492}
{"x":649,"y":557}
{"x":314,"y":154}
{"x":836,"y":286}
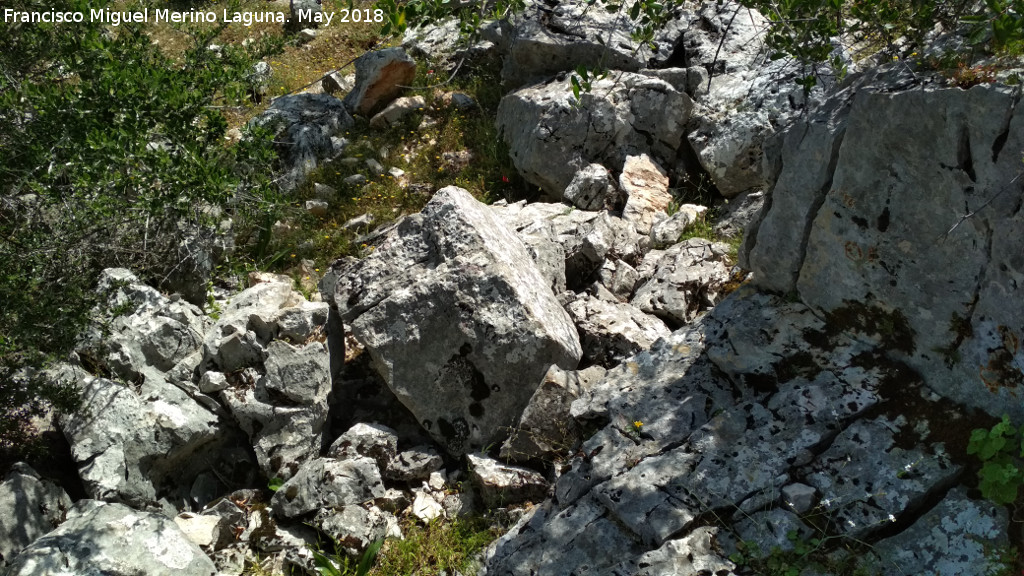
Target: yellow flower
{"x":638,"y":424}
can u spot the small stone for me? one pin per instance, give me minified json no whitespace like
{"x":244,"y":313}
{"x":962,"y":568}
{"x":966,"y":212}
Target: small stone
{"x":317,"y":208}
{"x":324,"y":192}
{"x":425,"y":507}
{"x":359,"y":222}
{"x":501,"y":484}
{"x":355,"y":180}
{"x":396,"y":172}
{"x":414,"y":464}
{"x":334,"y":83}
{"x":436,"y":481}
{"x":799,"y":498}
{"x":306,"y":35}
{"x":212,"y":382}
{"x":375,"y":167}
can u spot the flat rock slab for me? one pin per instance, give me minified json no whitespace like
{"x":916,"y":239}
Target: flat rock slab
{"x":458,"y":320}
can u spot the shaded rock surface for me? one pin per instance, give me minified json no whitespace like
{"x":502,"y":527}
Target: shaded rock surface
{"x":29,"y":508}
{"x":380,"y":77}
{"x":459,"y":322}
{"x":113,"y":539}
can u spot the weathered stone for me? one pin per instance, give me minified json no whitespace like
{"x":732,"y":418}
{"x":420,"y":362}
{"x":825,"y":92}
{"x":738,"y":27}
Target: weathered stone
{"x":695,"y":553}
{"x":799,"y":498}
{"x":414,"y":464}
{"x":317,"y":208}
{"x":284,"y":412}
{"x":457,"y":319}
{"x":612,"y":331}
{"x":545,"y":428}
{"x":551,"y":140}
{"x":619,"y":278}
{"x":201,"y":530}
{"x":212,"y":382}
{"x":113,"y":539}
{"x":956,"y":537}
{"x":371,"y":440}
{"x":128,"y":444}
{"x":646,"y":187}
{"x":300,"y":323}
{"x":303,"y":125}
{"x":668,"y":231}
{"x":380,"y":77}
{"x":398,"y":109}
{"x":591,"y":188}
{"x":688,"y":280}
{"x":325,"y":482}
{"x":502,"y":485}
{"x":870,"y":247}
{"x":304,"y":13}
{"x":425,"y":507}
{"x":29,"y":508}
{"x":354,"y":528}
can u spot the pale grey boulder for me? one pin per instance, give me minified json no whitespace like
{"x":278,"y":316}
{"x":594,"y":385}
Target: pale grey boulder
{"x":328,"y":483}
{"x":619,"y":278}
{"x":303,"y":126}
{"x":285,"y":410}
{"x":545,"y":39}
{"x":459,"y":322}
{"x":299,"y":324}
{"x":668,"y":231}
{"x":551,"y":140}
{"x":353,"y":528}
{"x":29,"y":508}
{"x":686,"y":280}
{"x":398,"y":109}
{"x":870,"y":246}
{"x":114,"y":540}
{"x":380,"y":77}
{"x":129,"y":444}
{"x":696,"y":553}
{"x":304,"y":13}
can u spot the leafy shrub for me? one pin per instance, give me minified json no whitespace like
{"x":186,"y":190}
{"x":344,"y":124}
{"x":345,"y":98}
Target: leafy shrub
{"x":1000,"y":451}
{"x":110,"y":154}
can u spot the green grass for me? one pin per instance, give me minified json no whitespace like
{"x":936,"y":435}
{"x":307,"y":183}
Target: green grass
{"x":435,"y":548}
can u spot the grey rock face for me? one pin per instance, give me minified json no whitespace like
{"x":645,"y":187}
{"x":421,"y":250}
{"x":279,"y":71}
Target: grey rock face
{"x":303,"y":125}
{"x":414,"y":464}
{"x":613,"y":331}
{"x":459,"y":322}
{"x":328,"y":483}
{"x":544,"y":41}
{"x":502,"y":485}
{"x":955,"y":537}
{"x":284,"y":411}
{"x":371,"y":440}
{"x":687,"y":280}
{"x":545,"y":428}
{"x":127,"y":444}
{"x":551,"y":140}
{"x":29,"y":508}
{"x":871,"y":235}
{"x":591,"y":188}
{"x":115,"y":540}
{"x":379,"y":78}
{"x":354,"y":528}
{"x":646,"y":187}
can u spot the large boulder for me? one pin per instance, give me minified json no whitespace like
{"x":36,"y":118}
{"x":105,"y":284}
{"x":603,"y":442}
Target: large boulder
{"x":305,"y":129}
{"x":551,"y":139}
{"x":114,"y":540}
{"x":909,"y":233}
{"x":129,"y":444}
{"x":29,"y":508}
{"x":459,"y":322}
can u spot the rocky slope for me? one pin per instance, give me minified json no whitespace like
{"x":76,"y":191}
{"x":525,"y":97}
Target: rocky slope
{"x":643,"y":414}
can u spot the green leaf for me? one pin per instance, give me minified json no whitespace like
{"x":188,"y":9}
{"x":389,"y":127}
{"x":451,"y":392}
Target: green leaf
{"x":369,"y":557}
{"x":275,"y":484}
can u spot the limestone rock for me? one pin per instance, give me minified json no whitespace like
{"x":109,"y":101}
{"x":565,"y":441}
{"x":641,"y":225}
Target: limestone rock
{"x":398,"y":109}
{"x":613,"y":331}
{"x":303,"y":13}
{"x":501,"y":484}
{"x":371,"y":440}
{"x":413,"y":464}
{"x":545,"y":428}
{"x":591,"y":188}
{"x":457,"y":319}
{"x":380,"y":76}
{"x":686,"y":281}
{"x":284,"y":411}
{"x":325,"y":482}
{"x":871,"y":236}
{"x":303,"y":125}
{"x":646,"y":187}
{"x":354,"y":528}
{"x":551,"y":140}
{"x":29,"y":508}
{"x":668,"y":231}
{"x":113,"y":539}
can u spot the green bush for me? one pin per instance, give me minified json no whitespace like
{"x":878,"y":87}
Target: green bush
{"x":110,"y":153}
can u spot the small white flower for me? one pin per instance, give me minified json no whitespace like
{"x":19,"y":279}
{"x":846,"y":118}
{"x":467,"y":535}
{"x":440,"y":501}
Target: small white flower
{"x":892,"y":518}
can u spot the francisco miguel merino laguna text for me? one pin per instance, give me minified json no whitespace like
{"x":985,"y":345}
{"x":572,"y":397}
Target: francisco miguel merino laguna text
{"x":159,"y":15}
